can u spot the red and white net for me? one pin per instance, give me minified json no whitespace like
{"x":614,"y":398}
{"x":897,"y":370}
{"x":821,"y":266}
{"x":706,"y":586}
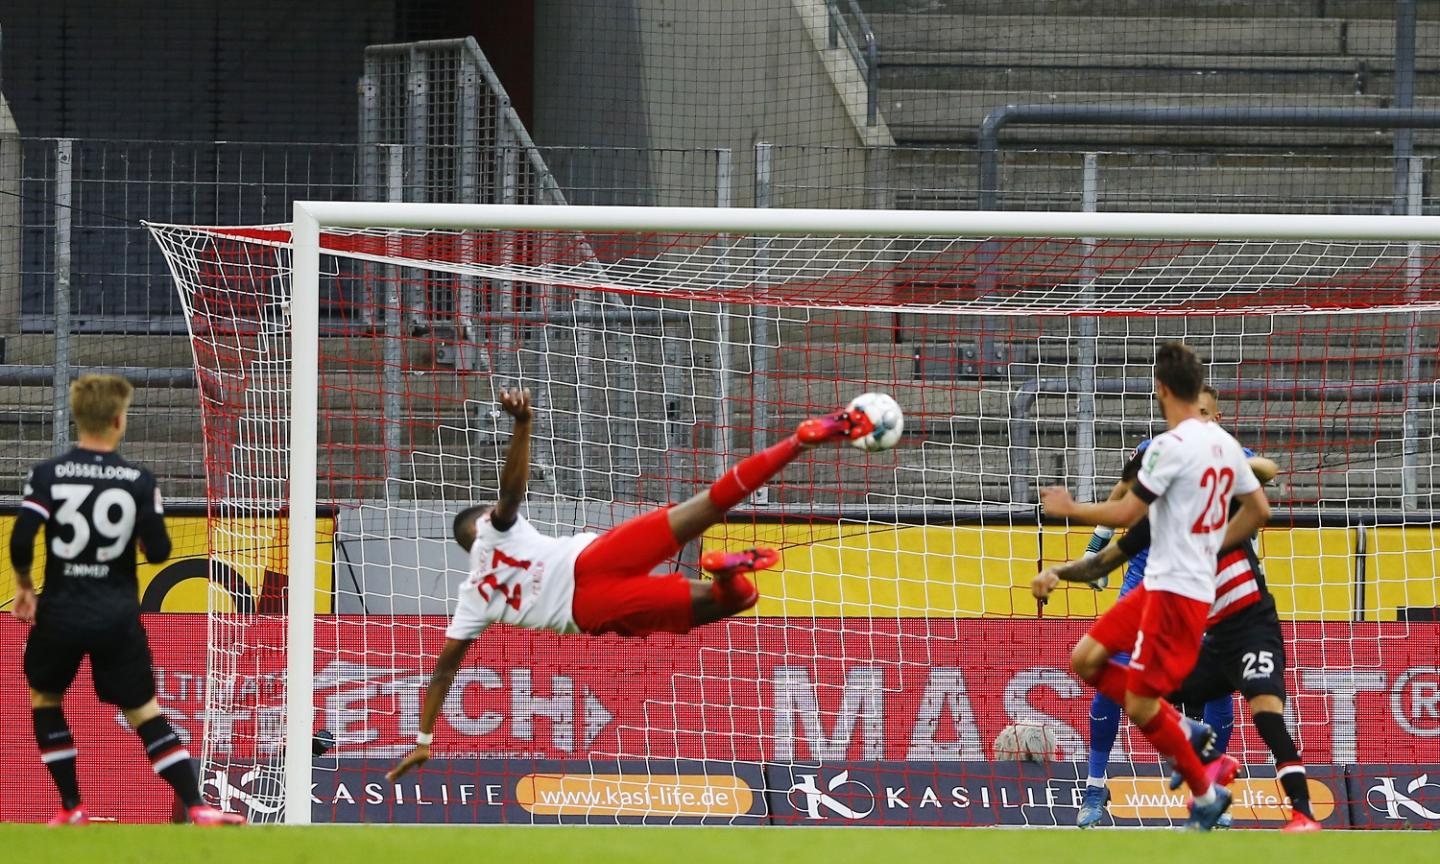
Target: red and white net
{"x":898,"y":638}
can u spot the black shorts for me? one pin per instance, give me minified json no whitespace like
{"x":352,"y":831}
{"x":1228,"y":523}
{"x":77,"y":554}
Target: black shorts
{"x":120,"y":661}
{"x":1244,"y":653}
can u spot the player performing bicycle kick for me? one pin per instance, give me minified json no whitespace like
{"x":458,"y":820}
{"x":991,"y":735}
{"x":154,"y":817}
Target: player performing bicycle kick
{"x":589,"y":583}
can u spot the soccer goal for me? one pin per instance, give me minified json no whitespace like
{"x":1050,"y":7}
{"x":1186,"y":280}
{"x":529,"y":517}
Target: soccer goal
{"x":347,"y":365}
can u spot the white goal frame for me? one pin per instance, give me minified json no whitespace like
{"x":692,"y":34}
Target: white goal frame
{"x":312,"y":217}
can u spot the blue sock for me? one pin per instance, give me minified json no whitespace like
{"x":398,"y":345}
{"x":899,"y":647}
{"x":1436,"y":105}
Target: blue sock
{"x":1220,"y":714}
{"x":1104,"y":726}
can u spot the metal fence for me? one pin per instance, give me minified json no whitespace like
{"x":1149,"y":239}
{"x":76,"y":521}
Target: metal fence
{"x":119,"y":282}
{"x":82,"y":201}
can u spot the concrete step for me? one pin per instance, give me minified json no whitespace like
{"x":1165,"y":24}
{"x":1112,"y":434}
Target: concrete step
{"x":145,"y":399}
{"x":1174,"y":187}
{"x":1202,"y":9}
{"x":1093,"y":34}
{"x":1047,"y":73}
{"x":164,"y":458}
{"x":1097,"y":34}
{"x":954,"y":116}
{"x":882,"y":485}
{"x":88,"y":349}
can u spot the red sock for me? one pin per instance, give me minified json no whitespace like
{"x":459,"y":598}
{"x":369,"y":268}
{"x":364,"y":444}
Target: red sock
{"x":1112,"y":682}
{"x":1168,"y":736}
{"x":735,"y":594}
{"x":752,"y":472}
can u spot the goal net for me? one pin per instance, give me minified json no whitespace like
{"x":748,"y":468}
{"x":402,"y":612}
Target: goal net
{"x":348,"y":376}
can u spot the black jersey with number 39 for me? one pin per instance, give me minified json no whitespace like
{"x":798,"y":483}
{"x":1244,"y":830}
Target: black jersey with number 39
{"x":94,"y":507}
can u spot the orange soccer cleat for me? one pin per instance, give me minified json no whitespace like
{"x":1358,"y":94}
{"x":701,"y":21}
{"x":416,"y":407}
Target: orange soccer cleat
{"x":1223,"y":770}
{"x":729,"y":563}
{"x":70,"y":816}
{"x":1300,"y":824}
{"x":208,"y":816}
{"x":846,"y":424}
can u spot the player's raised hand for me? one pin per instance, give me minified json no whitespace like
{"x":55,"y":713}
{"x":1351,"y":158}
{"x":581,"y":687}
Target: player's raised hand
{"x":415,"y":758}
{"x":1056,"y":501}
{"x":1043,"y":584}
{"x":516,"y":402}
{"x":24,"y":607}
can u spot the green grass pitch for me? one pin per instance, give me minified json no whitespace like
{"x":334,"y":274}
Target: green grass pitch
{"x":160,"y":844}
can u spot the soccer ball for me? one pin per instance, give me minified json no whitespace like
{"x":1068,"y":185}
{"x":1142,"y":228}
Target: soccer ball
{"x":889,"y":421}
{"x":1026,"y":742}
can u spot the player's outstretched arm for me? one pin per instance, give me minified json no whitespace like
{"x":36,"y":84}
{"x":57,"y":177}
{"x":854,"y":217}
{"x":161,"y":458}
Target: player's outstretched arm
{"x":516,"y":473}
{"x":446,"y":665}
{"x":1115,"y":513}
{"x":1254,"y":512}
{"x":1100,"y":537}
{"x":1265,"y":469}
{"x":1086,"y":569}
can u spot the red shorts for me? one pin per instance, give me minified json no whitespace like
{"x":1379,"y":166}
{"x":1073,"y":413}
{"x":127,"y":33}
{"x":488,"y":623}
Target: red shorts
{"x":614,"y":591}
{"x":1162,"y":632}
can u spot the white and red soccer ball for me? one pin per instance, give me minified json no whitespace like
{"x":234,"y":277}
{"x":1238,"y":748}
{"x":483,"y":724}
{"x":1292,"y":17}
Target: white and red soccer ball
{"x":1026,"y":742}
{"x":889,"y":421}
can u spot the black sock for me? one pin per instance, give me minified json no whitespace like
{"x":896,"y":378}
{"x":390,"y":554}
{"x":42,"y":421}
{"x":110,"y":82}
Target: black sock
{"x":57,"y":751}
{"x":1288,"y":766}
{"x":170,"y":759}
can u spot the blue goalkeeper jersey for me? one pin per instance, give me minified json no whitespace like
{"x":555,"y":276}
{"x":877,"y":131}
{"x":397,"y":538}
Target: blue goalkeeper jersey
{"x":1135,"y":573}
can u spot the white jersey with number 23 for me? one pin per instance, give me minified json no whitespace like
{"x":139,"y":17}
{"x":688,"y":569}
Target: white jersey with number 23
{"x":1189,"y":476}
{"x":519,"y":577}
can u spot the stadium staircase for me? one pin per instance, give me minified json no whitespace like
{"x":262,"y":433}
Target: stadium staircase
{"x":945,"y":64}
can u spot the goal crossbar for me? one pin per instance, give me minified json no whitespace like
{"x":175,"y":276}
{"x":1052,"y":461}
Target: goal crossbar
{"x":991,"y":223}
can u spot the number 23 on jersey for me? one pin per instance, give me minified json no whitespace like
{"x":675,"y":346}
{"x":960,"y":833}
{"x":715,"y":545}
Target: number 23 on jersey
{"x":1217,"y":484}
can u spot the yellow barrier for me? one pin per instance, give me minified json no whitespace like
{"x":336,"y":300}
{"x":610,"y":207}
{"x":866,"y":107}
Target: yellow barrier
{"x":973,"y":571}
{"x":180,"y":584}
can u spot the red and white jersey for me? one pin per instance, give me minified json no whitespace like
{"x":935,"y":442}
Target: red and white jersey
{"x":519,"y":577}
{"x":1239,"y":583}
{"x":1189,"y":476}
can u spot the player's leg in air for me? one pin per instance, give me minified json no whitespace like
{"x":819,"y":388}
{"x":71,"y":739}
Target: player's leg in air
{"x":614,"y":592}
{"x":1218,"y":715}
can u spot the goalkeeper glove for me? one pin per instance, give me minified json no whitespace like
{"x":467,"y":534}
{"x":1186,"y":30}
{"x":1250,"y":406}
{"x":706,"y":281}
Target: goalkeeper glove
{"x":1099,"y":540}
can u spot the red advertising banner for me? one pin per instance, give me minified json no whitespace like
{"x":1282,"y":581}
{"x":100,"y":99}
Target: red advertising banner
{"x":759,"y":690}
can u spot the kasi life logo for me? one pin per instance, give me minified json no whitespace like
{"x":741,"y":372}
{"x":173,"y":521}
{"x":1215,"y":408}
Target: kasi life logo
{"x":260,"y":791}
{"x":1419,"y":799}
{"x":841,"y":796}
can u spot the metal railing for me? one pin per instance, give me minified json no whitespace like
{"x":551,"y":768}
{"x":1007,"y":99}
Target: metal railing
{"x":442,"y":100}
{"x":866,"y":58}
{"x":1126,"y":115}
